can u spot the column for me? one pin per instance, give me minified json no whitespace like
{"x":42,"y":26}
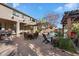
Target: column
{"x":35,"y":28}
{"x":69,"y":23}
{"x":18,"y":28}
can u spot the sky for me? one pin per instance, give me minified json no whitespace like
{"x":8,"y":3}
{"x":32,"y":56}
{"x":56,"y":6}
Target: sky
{"x":39,"y":10}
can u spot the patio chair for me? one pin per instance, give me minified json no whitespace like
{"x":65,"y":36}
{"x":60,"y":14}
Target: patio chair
{"x":5,"y":37}
{"x":7,"y":41}
{"x":45,"y":39}
{"x":30,"y":36}
{"x":25,"y":35}
{"x":35,"y":35}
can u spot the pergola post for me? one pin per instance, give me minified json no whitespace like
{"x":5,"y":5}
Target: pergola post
{"x":69,"y":25}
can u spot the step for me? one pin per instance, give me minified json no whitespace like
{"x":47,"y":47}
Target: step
{"x":6,"y":50}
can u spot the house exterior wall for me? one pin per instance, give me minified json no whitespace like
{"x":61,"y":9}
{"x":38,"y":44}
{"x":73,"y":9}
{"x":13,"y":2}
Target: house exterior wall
{"x":8,"y":14}
{"x":5,"y":13}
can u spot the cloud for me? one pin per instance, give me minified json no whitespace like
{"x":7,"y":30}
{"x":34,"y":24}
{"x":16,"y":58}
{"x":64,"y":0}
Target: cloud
{"x":70,"y":6}
{"x":16,"y":5}
{"x":59,"y":9}
{"x":67,"y":7}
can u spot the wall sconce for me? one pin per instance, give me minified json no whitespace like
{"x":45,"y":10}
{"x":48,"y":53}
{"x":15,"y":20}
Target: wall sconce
{"x":12,"y":17}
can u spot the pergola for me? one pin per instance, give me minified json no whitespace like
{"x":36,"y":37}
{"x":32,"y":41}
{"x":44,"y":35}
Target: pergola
{"x":68,"y":19}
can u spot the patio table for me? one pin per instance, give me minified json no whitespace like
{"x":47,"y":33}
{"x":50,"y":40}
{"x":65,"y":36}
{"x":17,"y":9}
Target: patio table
{"x":5,"y":37}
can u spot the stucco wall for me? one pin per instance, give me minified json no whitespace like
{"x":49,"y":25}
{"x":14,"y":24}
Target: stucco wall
{"x":7,"y":13}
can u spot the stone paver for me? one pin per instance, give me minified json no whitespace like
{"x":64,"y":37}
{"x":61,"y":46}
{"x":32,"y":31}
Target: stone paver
{"x":6,"y":50}
{"x":37,"y":48}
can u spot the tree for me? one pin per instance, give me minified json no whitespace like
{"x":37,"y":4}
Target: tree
{"x":52,"y":18}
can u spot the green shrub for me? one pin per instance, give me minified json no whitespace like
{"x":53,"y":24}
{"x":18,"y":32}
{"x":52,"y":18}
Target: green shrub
{"x":61,"y":42}
{"x":38,"y":30}
{"x":66,"y":44}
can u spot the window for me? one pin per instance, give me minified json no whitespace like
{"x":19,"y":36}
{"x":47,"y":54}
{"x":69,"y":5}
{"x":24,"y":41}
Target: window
{"x":30,"y":19}
{"x":23,"y":16}
{"x":15,"y":13}
{"x":33,"y":20}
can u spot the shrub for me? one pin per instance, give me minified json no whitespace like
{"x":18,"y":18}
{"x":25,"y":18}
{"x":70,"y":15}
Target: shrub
{"x":66,"y":44}
{"x":38,"y":30}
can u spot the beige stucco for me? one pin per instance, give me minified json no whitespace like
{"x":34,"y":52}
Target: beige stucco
{"x":6,"y":15}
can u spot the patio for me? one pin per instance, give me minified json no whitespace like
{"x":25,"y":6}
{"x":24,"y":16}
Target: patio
{"x":38,"y":48}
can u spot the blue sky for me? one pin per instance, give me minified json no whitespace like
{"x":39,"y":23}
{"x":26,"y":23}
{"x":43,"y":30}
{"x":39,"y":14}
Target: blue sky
{"x":39,"y":10}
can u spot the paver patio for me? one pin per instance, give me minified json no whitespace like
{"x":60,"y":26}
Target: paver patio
{"x":38,"y":48}
{"x":7,"y":50}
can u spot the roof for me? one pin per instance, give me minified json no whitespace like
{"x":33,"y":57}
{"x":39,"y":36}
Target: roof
{"x":72,"y":14}
{"x":15,"y":10}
